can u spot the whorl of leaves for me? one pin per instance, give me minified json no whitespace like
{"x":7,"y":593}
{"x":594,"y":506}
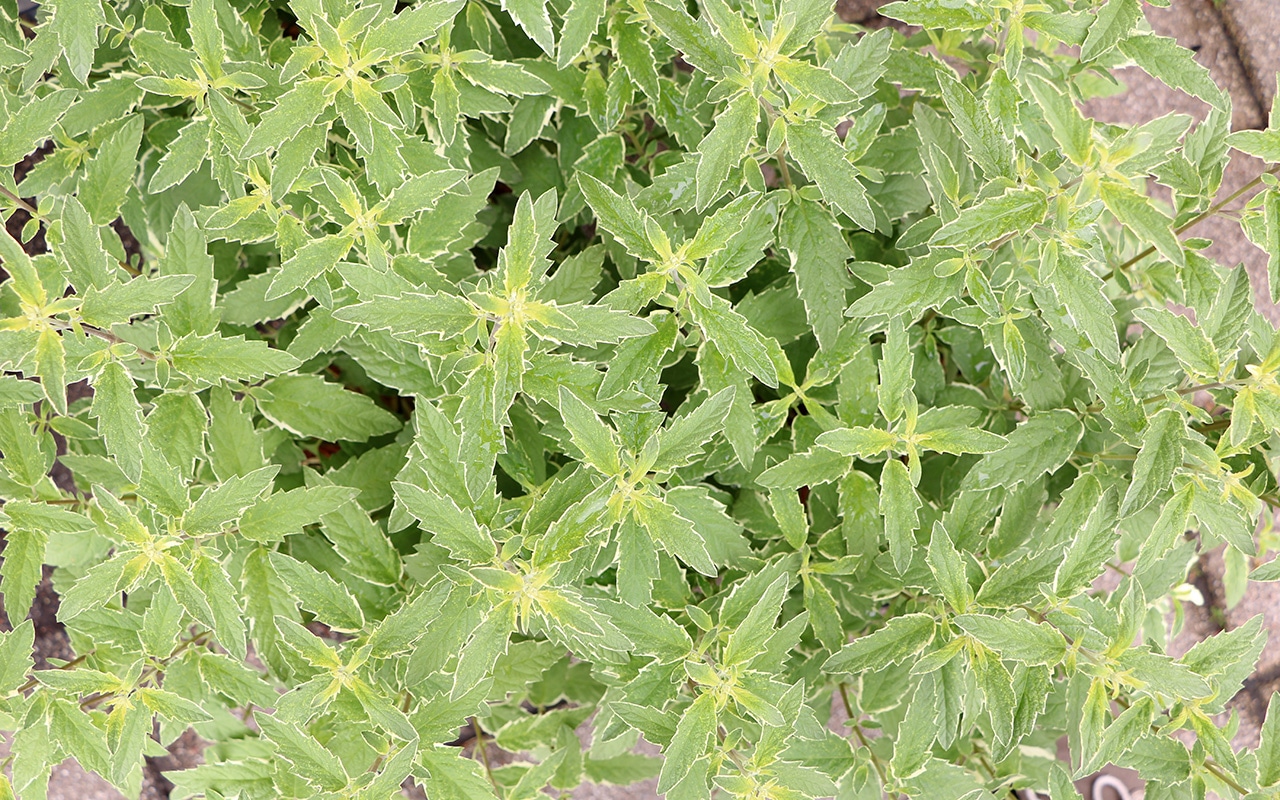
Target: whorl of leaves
{"x":654,"y":369}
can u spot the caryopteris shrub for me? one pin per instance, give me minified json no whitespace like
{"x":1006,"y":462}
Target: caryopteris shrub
{"x":548,"y":375}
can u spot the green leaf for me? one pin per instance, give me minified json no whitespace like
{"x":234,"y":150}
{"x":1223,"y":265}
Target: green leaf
{"x":1091,"y":547}
{"x":1138,"y":214}
{"x":812,"y":467}
{"x":824,"y":161}
{"x":686,"y":436}
{"x":320,"y":594}
{"x":735,"y":337}
{"x":1160,"y":455}
{"x":897,"y":379}
{"x":983,"y":139}
{"x":750,"y":636}
{"x":533,"y":17}
{"x":15,"y":392}
{"x":1171,"y":524}
{"x":209,"y":360}
{"x":109,"y":174}
{"x":119,"y":416}
{"x":285,"y":513}
{"x":824,"y":616}
{"x":958,"y":441}
{"x":1163,"y":59}
{"x":913,"y":744}
{"x":223,"y":504}
{"x":400,"y":629}
{"x":619,"y":216}
{"x":75,"y":25}
{"x":225,"y":604}
{"x":29,"y":125}
{"x":997,"y":690}
{"x":117,"y":302}
{"x":1113,"y":23}
{"x":1269,"y":746}
{"x":74,"y":731}
{"x":1038,"y":446}
{"x":487,"y":641}
{"x":412,"y":313}
{"x":597,"y":325}
{"x":1271,"y":230}
{"x":1088,"y":309}
{"x":403,"y":31}
{"x":947,"y":14}
{"x":1016,"y":639}
{"x":172,"y":706}
{"x":306,"y":644}
{"x":859,"y":442}
{"x":452,"y":776}
{"x":725,"y":146}
{"x":673,"y":532}
{"x":694,"y":39}
{"x":1263,"y":144}
{"x":51,"y":366}
{"x":15,"y":655}
{"x":185,"y":155}
{"x":580,"y":25}
{"x":817,"y":250}
{"x":312,"y":260}
{"x":452,"y":528}
{"x":790,"y":514}
{"x":186,"y":253}
{"x":23,"y":553}
{"x":179,"y":580}
{"x":1122,"y":734}
{"x":1071,"y":130}
{"x":948,"y":569}
{"x":307,"y":755}
{"x":899,"y":504}
{"x":310,"y":406}
{"x":1016,"y":211}
{"x":599,"y":445}
{"x":296,"y":109}
{"x":692,"y":738}
{"x":900,"y":639}
{"x":235,"y":447}
{"x":82,"y":249}
{"x":1188,"y":341}
{"x":623,"y":769}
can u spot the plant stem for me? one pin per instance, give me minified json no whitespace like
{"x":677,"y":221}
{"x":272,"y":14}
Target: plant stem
{"x":150,"y":673}
{"x":1105,"y":456}
{"x":1216,"y":425}
{"x":783,"y":170}
{"x":1218,"y":772}
{"x":23,"y":204}
{"x":107,"y":336}
{"x":1196,"y":220}
{"x":72,"y":664}
{"x":483,"y":750}
{"x":862,"y":739}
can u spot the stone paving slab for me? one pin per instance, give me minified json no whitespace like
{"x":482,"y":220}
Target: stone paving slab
{"x":1197,"y":25}
{"x":1255,"y":27}
{"x":1259,"y":599}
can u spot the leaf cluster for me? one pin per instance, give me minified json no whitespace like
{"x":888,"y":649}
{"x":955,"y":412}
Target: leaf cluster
{"x":572,"y":373}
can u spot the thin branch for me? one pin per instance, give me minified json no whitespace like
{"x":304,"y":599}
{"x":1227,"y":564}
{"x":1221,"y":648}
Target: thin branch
{"x":23,"y":204}
{"x":1196,"y":220}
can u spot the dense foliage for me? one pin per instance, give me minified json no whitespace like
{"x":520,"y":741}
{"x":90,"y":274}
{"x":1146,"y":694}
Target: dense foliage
{"x":710,"y":373}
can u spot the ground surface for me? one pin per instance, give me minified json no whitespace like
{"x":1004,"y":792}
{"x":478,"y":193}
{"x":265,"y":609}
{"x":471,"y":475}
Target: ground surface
{"x":1239,"y":41}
